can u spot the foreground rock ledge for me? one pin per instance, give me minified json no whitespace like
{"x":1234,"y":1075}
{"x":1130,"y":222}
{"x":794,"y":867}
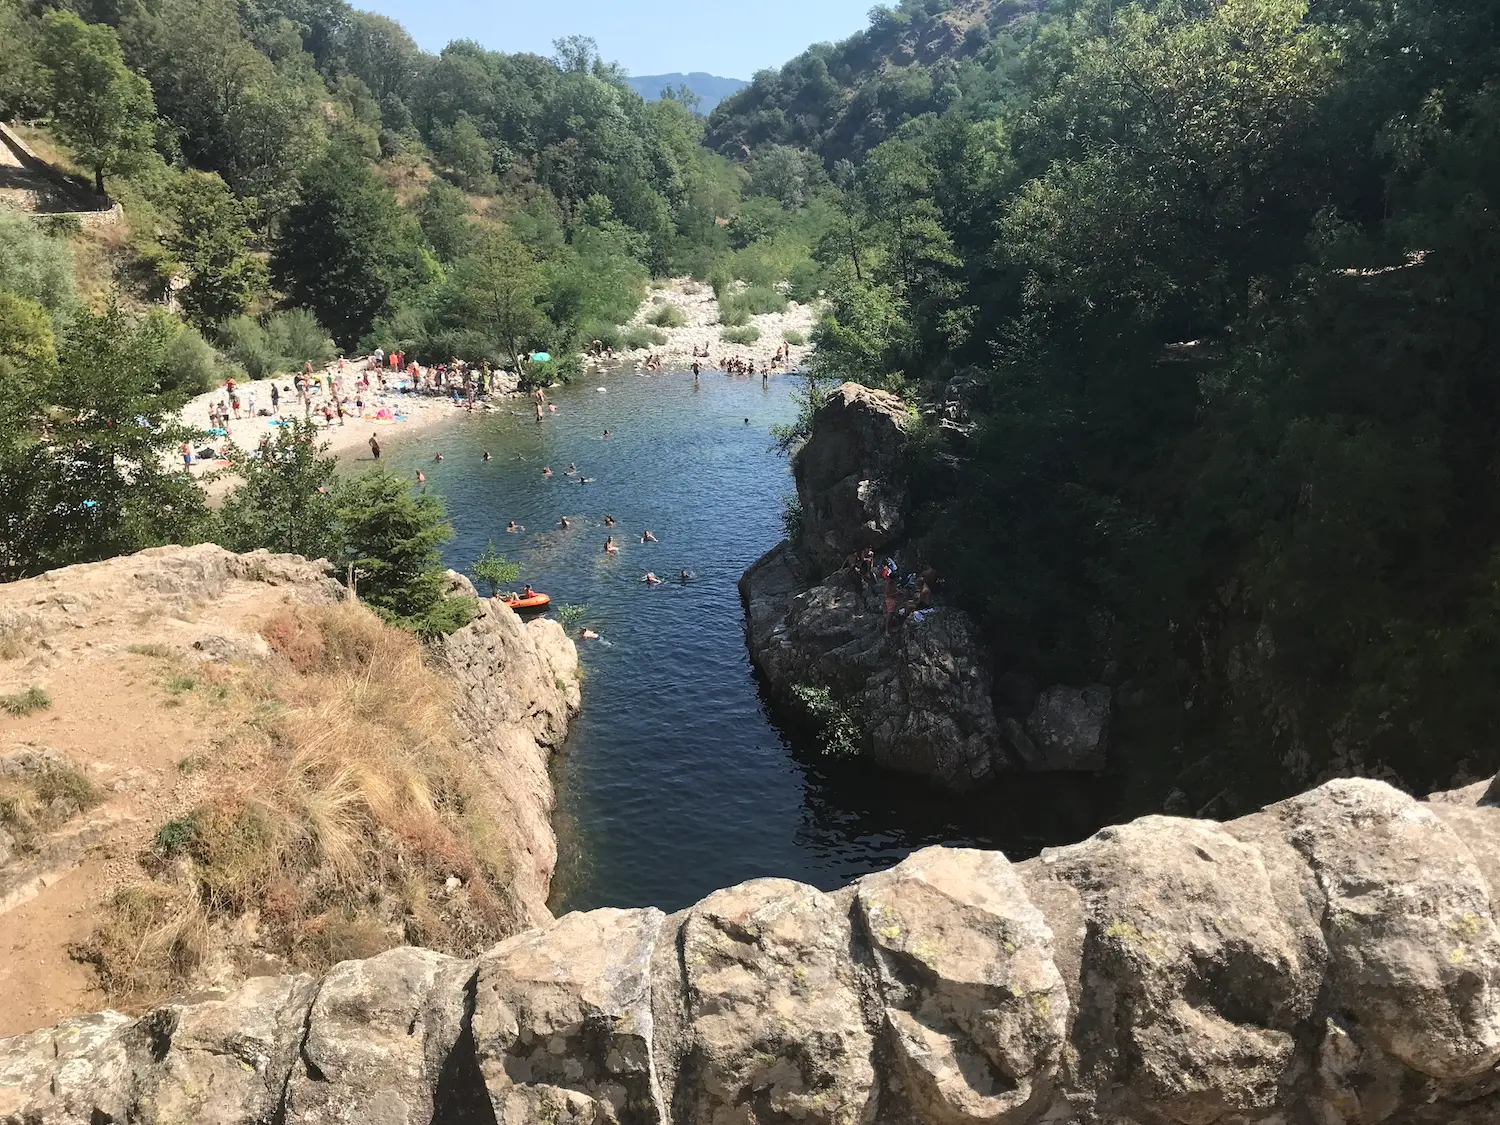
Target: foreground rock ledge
{"x":1331,"y":960}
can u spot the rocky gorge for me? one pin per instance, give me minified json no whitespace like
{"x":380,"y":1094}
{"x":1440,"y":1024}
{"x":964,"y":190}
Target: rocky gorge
{"x":1331,"y":960}
{"x":923,"y":694}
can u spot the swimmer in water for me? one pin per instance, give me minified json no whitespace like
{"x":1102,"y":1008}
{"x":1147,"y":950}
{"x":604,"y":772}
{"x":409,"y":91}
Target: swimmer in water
{"x":564,"y":524}
{"x":438,"y":458}
{"x":486,"y":457}
{"x":609,"y":521}
{"x":609,"y":546}
{"x":647,"y":537}
{"x":512,"y":527}
{"x":606,"y":433}
{"x":585,"y":480}
{"x":651,"y":579}
{"x":572,"y":468}
{"x":547,"y":473}
{"x":590,"y":635}
{"x":684,"y":577}
{"x":747,"y":421}
{"x":421,"y":477}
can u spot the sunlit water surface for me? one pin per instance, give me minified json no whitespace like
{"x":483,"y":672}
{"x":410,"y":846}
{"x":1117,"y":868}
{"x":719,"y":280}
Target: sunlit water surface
{"x":674,"y":780}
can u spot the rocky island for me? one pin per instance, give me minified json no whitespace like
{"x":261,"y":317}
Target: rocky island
{"x":923,"y":695}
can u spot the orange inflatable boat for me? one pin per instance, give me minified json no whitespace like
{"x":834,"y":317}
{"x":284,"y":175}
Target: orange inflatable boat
{"x":536,"y":601}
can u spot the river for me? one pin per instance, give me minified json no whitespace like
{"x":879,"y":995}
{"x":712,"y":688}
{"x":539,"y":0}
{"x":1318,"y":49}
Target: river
{"x":675,"y":781}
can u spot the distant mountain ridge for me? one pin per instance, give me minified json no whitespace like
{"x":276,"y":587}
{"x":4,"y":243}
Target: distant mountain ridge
{"x":709,"y":87}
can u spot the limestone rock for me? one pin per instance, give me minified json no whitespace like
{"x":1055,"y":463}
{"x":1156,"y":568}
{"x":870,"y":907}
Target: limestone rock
{"x":562,"y":1022}
{"x":976,"y":1011}
{"x":365,"y":1055}
{"x":1193,"y":991}
{"x":1415,"y":956}
{"x":849,"y":475}
{"x":224,"y":1060}
{"x":518,"y":688}
{"x":1069,"y":728}
{"x":921,"y":695}
{"x":1330,"y":960}
{"x":77,"y":1073}
{"x":776,"y":1032}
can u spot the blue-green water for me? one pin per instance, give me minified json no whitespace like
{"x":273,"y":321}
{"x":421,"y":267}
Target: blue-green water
{"x":675,"y":781}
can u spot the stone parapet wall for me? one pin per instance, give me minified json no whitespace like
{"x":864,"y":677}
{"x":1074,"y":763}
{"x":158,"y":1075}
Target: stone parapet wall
{"x":1331,"y":960}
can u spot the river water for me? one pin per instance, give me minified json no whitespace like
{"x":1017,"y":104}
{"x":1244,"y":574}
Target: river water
{"x":675,"y":781}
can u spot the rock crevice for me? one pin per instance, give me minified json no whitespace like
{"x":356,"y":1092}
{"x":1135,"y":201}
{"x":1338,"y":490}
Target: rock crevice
{"x":1331,"y":960}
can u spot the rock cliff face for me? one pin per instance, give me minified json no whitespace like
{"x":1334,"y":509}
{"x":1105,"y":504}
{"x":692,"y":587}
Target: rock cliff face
{"x":519,"y":687}
{"x":922,"y":695}
{"x":1331,"y":960}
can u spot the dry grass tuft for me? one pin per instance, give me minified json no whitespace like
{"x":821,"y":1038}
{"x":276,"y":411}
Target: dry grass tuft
{"x":337,"y":814}
{"x":34,"y":803}
{"x":26,"y":702}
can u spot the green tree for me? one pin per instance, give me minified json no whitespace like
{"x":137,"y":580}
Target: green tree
{"x":101,"y":109}
{"x":88,"y":447}
{"x":346,"y":248}
{"x":463,"y":150}
{"x":495,"y":570}
{"x":285,"y":501}
{"x":496,"y":290}
{"x":444,"y":214}
{"x":211,"y":238}
{"x":392,"y":539}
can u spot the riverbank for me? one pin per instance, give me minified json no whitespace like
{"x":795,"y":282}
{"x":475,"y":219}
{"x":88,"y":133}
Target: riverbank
{"x":702,"y":330}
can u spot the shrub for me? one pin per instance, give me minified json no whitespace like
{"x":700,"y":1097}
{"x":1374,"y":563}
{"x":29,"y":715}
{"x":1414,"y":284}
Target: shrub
{"x":191,"y":365}
{"x":836,"y":734}
{"x":742,"y":336}
{"x":27,"y":702}
{"x":495,"y":571}
{"x":640,"y":337}
{"x":733,"y":314}
{"x":668,"y":316}
{"x":793,"y":337}
{"x":282,"y":341}
{"x":571,"y":615}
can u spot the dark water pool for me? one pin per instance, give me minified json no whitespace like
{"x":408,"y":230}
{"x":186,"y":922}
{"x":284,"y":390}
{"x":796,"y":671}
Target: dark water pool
{"x":675,"y":781}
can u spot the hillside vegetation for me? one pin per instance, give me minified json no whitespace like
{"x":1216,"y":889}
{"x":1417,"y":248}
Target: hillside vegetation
{"x":299,"y":180}
{"x":1209,"y":287}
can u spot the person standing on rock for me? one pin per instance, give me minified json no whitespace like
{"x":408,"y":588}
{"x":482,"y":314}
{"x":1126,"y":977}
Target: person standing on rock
{"x":375,"y":446}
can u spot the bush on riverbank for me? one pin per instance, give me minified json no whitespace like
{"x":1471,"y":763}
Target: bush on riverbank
{"x":742,"y":336}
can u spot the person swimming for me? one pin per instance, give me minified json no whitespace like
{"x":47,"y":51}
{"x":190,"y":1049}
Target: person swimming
{"x":609,"y":521}
{"x":585,"y":480}
{"x":651,"y":579}
{"x":564,"y":523}
{"x":609,"y":546}
{"x":421,"y":477}
{"x":684,"y":577}
{"x":572,"y":468}
{"x":438,"y":458}
{"x":547,"y":473}
{"x":486,"y":457}
{"x":606,"y":433}
{"x":590,"y":635}
{"x":513,"y":527}
{"x":647,"y":537}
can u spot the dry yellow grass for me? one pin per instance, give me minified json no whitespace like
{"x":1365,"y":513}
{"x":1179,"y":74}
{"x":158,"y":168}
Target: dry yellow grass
{"x":337,"y":814}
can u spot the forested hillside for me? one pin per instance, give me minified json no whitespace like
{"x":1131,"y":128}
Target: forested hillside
{"x":298,"y":180}
{"x":1214,"y":285}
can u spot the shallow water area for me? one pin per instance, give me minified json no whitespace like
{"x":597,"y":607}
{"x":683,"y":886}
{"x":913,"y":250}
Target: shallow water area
{"x":675,"y":781}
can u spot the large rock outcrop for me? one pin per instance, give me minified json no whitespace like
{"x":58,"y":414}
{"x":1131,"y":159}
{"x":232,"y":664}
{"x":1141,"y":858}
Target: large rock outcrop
{"x":850,"y":478}
{"x":921,"y":694}
{"x":1331,"y":960}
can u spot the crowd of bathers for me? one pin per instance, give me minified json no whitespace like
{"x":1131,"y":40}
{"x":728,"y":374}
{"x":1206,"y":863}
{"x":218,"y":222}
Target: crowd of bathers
{"x":907,"y":597}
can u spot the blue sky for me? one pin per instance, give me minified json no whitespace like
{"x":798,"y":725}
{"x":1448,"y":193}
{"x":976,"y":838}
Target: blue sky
{"x":729,"y":39}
